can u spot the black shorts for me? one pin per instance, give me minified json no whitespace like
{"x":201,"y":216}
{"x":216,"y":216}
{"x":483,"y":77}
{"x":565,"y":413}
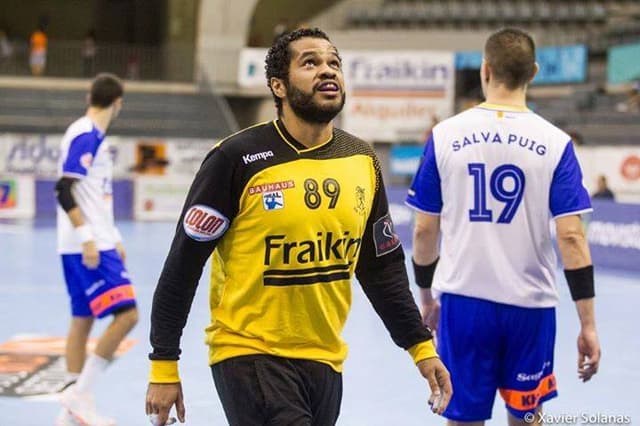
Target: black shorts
{"x":268,"y":390}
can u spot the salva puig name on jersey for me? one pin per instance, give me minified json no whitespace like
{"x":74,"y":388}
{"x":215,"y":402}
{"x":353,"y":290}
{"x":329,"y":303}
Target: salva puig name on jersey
{"x":495,"y":137}
{"x":204,"y":223}
{"x":279,"y":249}
{"x":250,"y":158}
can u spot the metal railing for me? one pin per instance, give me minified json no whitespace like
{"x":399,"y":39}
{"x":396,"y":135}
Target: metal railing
{"x":173,"y":62}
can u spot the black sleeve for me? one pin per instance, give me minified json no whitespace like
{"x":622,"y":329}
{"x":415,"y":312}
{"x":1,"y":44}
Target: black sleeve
{"x":382,"y":274}
{"x":208,"y":210}
{"x":63,"y":193}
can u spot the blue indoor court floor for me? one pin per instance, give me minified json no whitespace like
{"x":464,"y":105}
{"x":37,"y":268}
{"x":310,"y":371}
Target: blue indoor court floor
{"x":381,"y":386}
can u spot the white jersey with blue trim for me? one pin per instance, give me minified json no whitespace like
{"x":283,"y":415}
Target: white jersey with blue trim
{"x":497,"y":175}
{"x":85,"y":155}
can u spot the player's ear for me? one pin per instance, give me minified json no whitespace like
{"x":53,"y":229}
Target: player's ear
{"x":536,"y":68}
{"x":485,"y":71}
{"x":278,"y":87}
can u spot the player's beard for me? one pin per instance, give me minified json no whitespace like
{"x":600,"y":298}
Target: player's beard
{"x":307,"y":109}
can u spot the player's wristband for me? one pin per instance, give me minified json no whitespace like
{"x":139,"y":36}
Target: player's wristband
{"x":423,"y":350}
{"x":164,"y":372}
{"x":424,"y":273}
{"x":581,"y":284}
{"x":84,"y":233}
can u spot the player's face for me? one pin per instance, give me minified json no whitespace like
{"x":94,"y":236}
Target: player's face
{"x":315,"y":88}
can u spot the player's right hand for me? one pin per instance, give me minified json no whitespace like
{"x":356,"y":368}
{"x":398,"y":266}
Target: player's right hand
{"x":588,"y":354}
{"x":160,"y":398}
{"x":90,"y":255}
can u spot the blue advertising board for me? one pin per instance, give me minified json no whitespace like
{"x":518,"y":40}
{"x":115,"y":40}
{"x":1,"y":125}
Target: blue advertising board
{"x":558,"y":64}
{"x":614,"y":235}
{"x":404,"y":159}
{"x":623,"y":63}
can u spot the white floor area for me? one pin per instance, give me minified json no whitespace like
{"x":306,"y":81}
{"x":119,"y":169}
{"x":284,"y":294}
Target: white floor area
{"x":382,"y":387}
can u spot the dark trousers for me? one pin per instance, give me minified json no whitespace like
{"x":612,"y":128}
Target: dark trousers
{"x":266,"y":390}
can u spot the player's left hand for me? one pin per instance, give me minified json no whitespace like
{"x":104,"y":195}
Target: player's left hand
{"x":121,"y":252}
{"x":439,"y":380}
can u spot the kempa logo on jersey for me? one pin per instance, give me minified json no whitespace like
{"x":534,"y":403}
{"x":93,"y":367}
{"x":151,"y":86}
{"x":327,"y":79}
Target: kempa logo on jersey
{"x":203,"y":223}
{"x":325,"y":248}
{"x":250,"y":158}
{"x":270,"y":187}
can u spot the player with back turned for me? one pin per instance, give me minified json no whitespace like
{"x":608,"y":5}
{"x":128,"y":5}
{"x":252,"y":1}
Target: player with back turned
{"x":491,"y":180}
{"x":91,"y":249}
{"x":291,"y":210}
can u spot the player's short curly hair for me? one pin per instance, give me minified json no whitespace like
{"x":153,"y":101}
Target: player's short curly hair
{"x":279,"y":57}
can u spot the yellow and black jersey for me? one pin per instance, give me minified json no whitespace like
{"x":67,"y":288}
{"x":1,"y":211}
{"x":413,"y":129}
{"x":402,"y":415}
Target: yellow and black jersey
{"x":288,"y":227}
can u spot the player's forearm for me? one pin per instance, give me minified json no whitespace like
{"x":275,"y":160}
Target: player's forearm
{"x":572,"y":243}
{"x":76,"y":217}
{"x":387,"y":288}
{"x":67,"y":202}
{"x":171,"y":304}
{"x":172,"y":301}
{"x":174,"y":294}
{"x":425,"y":245}
{"x":586,"y":313}
{"x":426,"y":233}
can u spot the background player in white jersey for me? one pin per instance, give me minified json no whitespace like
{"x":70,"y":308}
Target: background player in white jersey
{"x":91,"y":248}
{"x":491,"y":179}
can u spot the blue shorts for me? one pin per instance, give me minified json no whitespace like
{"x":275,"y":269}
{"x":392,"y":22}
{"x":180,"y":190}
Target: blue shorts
{"x":97,"y":292}
{"x":490,"y":346}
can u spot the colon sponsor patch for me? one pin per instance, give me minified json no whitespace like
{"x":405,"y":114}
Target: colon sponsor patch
{"x":384,"y":236}
{"x":204,"y":223}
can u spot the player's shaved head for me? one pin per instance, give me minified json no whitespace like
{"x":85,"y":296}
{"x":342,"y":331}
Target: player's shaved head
{"x":511,"y":55}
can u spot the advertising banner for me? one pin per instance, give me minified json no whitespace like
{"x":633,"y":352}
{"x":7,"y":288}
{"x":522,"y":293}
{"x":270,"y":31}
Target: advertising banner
{"x":34,"y":365}
{"x":405,"y":159}
{"x":17,"y":199}
{"x":558,"y":64}
{"x":614,"y":235}
{"x":561,"y":64}
{"x":394,"y":96}
{"x":159,"y":197}
{"x":38,"y":155}
{"x":619,"y":164}
{"x":391,"y":95}
{"x":251,"y":68}
{"x":623,"y":63}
